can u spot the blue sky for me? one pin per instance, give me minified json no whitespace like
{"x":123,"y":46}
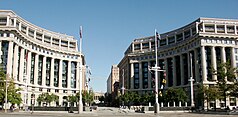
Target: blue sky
{"x":109,"y":26}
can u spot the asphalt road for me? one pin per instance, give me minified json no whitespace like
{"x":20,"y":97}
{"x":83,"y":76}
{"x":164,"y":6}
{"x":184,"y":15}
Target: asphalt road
{"x":109,"y":112}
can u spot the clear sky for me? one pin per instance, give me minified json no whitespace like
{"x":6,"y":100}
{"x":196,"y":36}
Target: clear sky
{"x":109,"y":26}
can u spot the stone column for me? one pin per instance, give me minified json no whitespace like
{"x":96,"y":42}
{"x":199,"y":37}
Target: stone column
{"x":77,"y":75}
{"x":8,"y":20}
{"x":166,"y":68}
{"x":197,"y":27}
{"x":52,"y":64}
{"x":44,"y":71}
{"x":213,"y":57}
{"x":36,"y":69}
{"x":132,"y":76}
{"x":15,"y":64}
{"x":235,"y":29}
{"x":19,"y":26}
{"x":225,"y":27}
{"x":28,"y":69}
{"x":223,"y":55}
{"x":233,"y":60}
{"x":35,"y":34}
{"x":197,"y":76}
{"x":215,"y":27}
{"x":27,"y":31}
{"x":60,"y":72}
{"x":204,"y":64}
{"x":69,"y":75}
{"x":182,"y":69}
{"x":203,"y":27}
{"x":189,"y":66}
{"x":9,"y":58}
{"x":174,"y":72}
{"x":15,"y":22}
{"x":21,"y":69}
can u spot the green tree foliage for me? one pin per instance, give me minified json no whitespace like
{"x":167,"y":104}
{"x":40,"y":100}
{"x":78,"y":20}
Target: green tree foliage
{"x":87,"y":97}
{"x":211,"y":94}
{"x":13,"y":95}
{"x":133,"y":98}
{"x":175,"y":95}
{"x":101,"y":99}
{"x":47,"y":98}
{"x":225,"y":72}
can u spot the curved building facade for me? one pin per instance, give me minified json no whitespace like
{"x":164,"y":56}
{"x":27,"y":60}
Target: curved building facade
{"x":39,"y":60}
{"x":210,"y":41}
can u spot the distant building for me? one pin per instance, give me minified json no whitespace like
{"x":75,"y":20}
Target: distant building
{"x":39,"y":60}
{"x":113,"y":77}
{"x":210,"y":41}
{"x":96,"y":97}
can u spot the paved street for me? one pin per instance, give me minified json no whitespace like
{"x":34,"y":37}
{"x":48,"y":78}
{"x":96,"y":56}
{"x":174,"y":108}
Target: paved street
{"x":109,"y":112}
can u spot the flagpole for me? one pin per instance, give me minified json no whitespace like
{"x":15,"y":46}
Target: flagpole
{"x":80,"y":108}
{"x":156,"y":76}
{"x":80,"y":40}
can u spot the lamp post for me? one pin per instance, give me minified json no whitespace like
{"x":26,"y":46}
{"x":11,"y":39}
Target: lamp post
{"x":156,"y":69}
{"x":6,"y":96}
{"x":32,"y":101}
{"x":191,"y":80}
{"x":25,"y":92}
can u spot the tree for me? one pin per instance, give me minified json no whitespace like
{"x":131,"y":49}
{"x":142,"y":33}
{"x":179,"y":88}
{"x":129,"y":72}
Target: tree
{"x":47,"y":98}
{"x":13,"y":95}
{"x":72,"y":99}
{"x":87,"y":97}
{"x":211,"y":94}
{"x":175,"y":95}
{"x":225,"y":72}
{"x":101,"y":99}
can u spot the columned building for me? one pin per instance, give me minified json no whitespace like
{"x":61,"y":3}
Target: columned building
{"x":210,"y":41}
{"x":39,"y":60}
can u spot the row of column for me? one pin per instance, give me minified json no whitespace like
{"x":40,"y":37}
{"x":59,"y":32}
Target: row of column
{"x":13,"y":62}
{"x":196,"y":67}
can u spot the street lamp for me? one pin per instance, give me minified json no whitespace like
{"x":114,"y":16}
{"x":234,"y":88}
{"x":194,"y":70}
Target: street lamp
{"x":191,"y":80}
{"x":25,"y":92}
{"x":32,"y":101}
{"x":6,"y":94}
{"x":156,"y":69}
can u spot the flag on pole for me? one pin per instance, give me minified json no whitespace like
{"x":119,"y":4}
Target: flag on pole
{"x":158,"y":36}
{"x":81,"y":32}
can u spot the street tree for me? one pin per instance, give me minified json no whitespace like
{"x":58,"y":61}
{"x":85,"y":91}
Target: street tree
{"x":87,"y":97}
{"x":211,"y":93}
{"x":47,"y":98}
{"x":13,"y":95}
{"x":175,"y":95}
{"x":225,"y":72}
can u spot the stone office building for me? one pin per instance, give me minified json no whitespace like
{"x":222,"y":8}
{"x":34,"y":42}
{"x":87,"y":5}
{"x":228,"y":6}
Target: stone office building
{"x":210,"y":41}
{"x":39,"y":60}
